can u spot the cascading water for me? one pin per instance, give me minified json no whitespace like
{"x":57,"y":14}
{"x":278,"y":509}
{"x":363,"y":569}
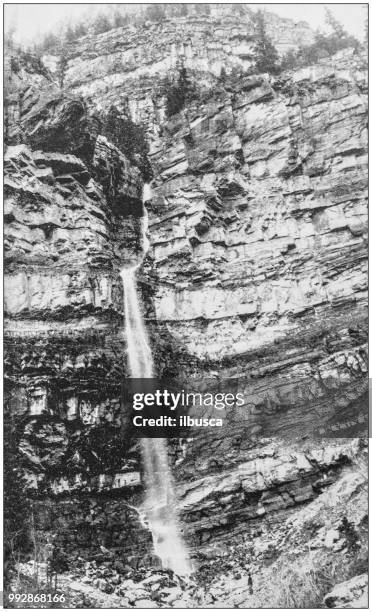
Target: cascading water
{"x":160,"y":502}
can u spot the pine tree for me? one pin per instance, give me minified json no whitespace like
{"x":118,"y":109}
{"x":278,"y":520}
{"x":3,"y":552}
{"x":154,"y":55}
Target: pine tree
{"x":223,"y":74}
{"x":366,"y":32}
{"x":70,"y":34}
{"x":120,"y":20}
{"x":9,"y":37}
{"x":178,"y":93}
{"x":289,"y":60}
{"x":61,"y":68}
{"x":129,"y":137}
{"x":80,"y":30}
{"x":238,"y":8}
{"x":203,"y":9}
{"x":101,"y":24}
{"x":265,"y":55}
{"x":335,"y":25}
{"x":50,"y":43}
{"x":339,"y":38}
{"x":155,"y":12}
{"x":184,"y":83}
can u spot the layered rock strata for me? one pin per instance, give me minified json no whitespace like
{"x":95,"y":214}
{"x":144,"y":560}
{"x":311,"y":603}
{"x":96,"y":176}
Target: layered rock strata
{"x":256,"y":272}
{"x":72,"y":209}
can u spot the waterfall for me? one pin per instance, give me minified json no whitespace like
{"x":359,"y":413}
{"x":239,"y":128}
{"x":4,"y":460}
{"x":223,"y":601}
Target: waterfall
{"x":160,"y":500}
{"x":139,"y":352}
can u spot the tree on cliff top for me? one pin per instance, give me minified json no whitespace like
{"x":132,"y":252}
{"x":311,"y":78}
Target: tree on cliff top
{"x":203,"y":9}
{"x":335,"y":25}
{"x":101,"y":24}
{"x":69,"y":34}
{"x":155,"y":12}
{"x":338,"y":38}
{"x":120,"y":19}
{"x":323,"y":46}
{"x":265,"y":55}
{"x":80,"y":30}
{"x":178,"y":10}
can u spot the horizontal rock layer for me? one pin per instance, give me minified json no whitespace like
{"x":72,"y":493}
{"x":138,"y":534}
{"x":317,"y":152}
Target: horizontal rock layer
{"x":256,"y":272}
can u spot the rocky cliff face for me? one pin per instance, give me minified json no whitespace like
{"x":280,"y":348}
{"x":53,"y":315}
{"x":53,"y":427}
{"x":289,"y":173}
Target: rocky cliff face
{"x":73,"y":203}
{"x":125,"y":64}
{"x":256,"y":273}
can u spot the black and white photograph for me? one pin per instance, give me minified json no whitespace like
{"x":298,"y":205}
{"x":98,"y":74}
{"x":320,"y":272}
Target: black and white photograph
{"x":185,"y":305}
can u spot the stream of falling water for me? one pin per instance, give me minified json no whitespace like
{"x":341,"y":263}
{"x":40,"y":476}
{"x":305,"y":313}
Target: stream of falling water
{"x":160,"y":501}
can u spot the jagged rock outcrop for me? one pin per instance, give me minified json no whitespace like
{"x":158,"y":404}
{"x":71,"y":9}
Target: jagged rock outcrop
{"x":352,"y":593}
{"x":71,"y":216}
{"x":126,"y":65}
{"x":258,"y":229}
{"x":245,"y":185}
{"x":256,"y":274}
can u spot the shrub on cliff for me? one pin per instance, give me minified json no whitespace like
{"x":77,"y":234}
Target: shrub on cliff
{"x":265,"y":55}
{"x":178,"y":93}
{"x":129,"y":138}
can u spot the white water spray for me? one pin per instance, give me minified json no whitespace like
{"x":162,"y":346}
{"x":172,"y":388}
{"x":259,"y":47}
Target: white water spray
{"x":160,"y":502}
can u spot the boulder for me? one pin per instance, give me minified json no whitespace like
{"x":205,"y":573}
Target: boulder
{"x":352,"y":593}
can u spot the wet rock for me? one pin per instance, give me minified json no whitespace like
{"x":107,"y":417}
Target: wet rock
{"x":170,"y":594}
{"x":154,"y":579}
{"x":104,"y":585}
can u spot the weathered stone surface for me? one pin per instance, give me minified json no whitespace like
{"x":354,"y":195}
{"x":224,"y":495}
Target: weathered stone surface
{"x":58,"y":240}
{"x":256,"y":273}
{"x":269,"y":246}
{"x":64,"y":304}
{"x":121,"y":181}
{"x":352,"y":593}
{"x":128,"y":62}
